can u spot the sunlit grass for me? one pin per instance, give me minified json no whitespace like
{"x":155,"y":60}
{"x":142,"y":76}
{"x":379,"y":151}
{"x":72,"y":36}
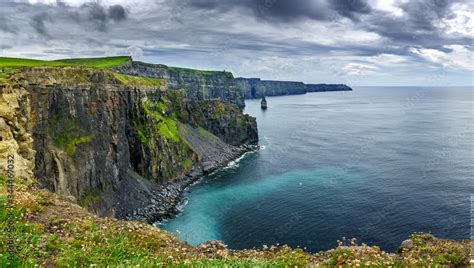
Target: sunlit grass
{"x":106,"y":62}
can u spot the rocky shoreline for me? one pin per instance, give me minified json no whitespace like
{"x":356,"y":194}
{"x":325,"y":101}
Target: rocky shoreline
{"x":165,"y":200}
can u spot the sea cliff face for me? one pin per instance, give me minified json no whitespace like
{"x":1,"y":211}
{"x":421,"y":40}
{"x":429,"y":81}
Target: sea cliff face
{"x":326,"y":87}
{"x":119,"y":145}
{"x":198,"y":84}
{"x":254,"y":88}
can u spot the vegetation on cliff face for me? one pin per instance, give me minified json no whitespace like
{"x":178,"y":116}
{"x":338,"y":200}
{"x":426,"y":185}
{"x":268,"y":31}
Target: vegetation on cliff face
{"x":164,"y":125}
{"x":68,"y":134}
{"x":160,"y":121}
{"x":139,"y":82}
{"x":52,"y":231}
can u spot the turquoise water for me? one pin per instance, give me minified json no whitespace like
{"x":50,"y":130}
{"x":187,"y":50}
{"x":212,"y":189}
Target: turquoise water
{"x":376,"y":163}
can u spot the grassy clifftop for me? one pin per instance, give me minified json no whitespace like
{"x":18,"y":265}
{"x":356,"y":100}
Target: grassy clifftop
{"x":107,"y":62}
{"x":53,"y":231}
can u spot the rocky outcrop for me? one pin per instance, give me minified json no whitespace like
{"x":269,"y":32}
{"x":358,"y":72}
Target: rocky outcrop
{"x":254,"y":88}
{"x":198,"y":84}
{"x":15,"y":135}
{"x":263,"y":103}
{"x":119,"y":145}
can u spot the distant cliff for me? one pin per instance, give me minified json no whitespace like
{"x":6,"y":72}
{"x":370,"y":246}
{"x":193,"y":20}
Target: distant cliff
{"x":198,"y":84}
{"x":256,"y":88}
{"x":120,"y":145}
{"x":326,"y":87}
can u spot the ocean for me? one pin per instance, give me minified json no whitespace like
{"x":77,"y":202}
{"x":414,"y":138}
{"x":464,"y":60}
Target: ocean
{"x":375,"y":163}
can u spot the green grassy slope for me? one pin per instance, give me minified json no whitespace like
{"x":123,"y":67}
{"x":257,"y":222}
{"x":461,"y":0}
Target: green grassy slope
{"x":107,"y":62}
{"x":104,"y":62}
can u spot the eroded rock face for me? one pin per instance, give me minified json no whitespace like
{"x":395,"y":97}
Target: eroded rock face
{"x":119,"y":150}
{"x":199,"y":85}
{"x":221,"y":119}
{"x":407,"y":244}
{"x":15,"y":130}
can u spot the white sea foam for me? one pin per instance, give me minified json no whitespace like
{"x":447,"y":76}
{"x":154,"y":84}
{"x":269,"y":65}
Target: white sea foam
{"x":235,"y":163}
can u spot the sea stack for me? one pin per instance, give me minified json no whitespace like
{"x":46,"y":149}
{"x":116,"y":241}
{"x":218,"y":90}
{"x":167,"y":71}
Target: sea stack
{"x":264,"y":103}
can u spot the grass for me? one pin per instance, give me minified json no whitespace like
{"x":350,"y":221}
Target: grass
{"x":20,"y":62}
{"x":429,"y":250}
{"x":139,"y":81}
{"x":106,"y":62}
{"x":6,"y":73}
{"x":166,"y":126}
{"x":187,"y":71}
{"x":3,"y":77}
{"x":90,"y":196}
{"x":206,"y":133}
{"x":67,"y":135}
{"x":187,"y":163}
{"x":69,"y":141}
{"x":169,"y":129}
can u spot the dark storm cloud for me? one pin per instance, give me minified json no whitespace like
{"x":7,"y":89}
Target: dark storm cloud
{"x":272,"y":10}
{"x":90,"y":15}
{"x":117,"y":13}
{"x":422,"y":14}
{"x":99,"y":16}
{"x":96,"y":14}
{"x":284,"y":10}
{"x":417,"y":26}
{"x":351,"y":8}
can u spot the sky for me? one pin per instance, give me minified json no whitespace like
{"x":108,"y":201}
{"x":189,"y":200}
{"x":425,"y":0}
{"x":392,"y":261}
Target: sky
{"x":355,"y":42}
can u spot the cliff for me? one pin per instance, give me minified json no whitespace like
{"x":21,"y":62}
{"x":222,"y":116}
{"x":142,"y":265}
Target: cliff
{"x":198,"y":84}
{"x":120,"y":145}
{"x":326,"y":87}
{"x":254,"y":88}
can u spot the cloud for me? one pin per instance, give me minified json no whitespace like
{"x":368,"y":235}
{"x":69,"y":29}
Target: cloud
{"x":461,"y":21}
{"x":307,"y":40}
{"x":89,"y":15}
{"x":117,"y":13}
{"x":96,"y":14}
{"x":417,"y":22}
{"x":359,"y":69}
{"x":6,"y":26}
{"x":37,"y":22}
{"x":273,"y":10}
{"x":459,"y":58}
{"x":351,"y":9}
{"x":135,"y":51}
